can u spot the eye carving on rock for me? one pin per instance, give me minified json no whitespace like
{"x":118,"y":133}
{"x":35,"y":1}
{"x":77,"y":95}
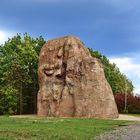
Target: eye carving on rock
{"x":48,"y":72}
{"x":56,"y":69}
{"x":48,"y":69}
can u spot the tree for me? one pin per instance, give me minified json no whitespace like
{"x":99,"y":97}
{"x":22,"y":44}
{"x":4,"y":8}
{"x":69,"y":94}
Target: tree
{"x":18,"y":74}
{"x":133,"y":103}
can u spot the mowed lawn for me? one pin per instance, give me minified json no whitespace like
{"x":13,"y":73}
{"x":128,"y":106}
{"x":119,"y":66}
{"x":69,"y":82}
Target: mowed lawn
{"x":54,"y":128}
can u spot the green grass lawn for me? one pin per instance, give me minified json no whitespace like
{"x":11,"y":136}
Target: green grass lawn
{"x":54,"y":128}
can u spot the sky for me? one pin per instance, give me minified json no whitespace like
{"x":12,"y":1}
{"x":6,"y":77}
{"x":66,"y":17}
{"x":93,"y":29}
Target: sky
{"x":109,"y":26}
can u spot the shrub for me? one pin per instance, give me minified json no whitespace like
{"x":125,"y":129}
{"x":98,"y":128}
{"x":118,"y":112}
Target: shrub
{"x":133,"y":103}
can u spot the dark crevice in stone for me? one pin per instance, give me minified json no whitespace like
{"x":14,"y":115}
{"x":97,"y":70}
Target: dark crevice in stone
{"x":64,"y":68}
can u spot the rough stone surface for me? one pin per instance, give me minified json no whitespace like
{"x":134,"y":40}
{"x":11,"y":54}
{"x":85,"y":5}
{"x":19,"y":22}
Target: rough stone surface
{"x":72,"y":82}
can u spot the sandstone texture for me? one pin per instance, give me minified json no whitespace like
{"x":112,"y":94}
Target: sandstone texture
{"x":72,"y":82}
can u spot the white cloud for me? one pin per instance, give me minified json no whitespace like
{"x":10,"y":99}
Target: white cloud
{"x":137,"y":89}
{"x":4,"y":35}
{"x":131,"y":68}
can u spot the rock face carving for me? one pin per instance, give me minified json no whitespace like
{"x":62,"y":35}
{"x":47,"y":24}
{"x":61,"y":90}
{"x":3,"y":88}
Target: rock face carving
{"x":72,"y":82}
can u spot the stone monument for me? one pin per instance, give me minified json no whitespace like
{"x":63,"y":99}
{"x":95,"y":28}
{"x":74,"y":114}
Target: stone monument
{"x":72,"y":82}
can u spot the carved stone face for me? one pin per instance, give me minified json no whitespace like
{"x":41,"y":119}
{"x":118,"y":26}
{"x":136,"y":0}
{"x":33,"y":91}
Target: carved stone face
{"x":51,"y":64}
{"x":51,"y":77}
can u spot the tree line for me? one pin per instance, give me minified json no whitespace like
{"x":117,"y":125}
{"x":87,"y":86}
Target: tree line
{"x":18,"y":74}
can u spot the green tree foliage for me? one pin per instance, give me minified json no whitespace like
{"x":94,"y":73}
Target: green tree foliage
{"x":18,"y":74}
{"x":117,"y":80}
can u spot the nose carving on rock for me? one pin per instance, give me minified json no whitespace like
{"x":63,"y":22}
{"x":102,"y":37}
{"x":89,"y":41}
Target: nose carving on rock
{"x":58,"y":73}
{"x":60,"y":53}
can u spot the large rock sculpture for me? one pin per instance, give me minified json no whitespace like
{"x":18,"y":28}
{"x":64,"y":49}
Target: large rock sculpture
{"x":72,"y":82}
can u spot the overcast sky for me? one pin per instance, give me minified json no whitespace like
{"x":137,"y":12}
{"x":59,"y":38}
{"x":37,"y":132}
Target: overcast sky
{"x":109,"y":26}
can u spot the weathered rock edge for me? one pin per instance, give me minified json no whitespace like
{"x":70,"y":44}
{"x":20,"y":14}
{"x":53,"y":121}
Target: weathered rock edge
{"x":72,"y":82}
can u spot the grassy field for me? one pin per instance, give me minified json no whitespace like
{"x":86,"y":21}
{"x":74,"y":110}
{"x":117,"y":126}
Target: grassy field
{"x":54,"y":128}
